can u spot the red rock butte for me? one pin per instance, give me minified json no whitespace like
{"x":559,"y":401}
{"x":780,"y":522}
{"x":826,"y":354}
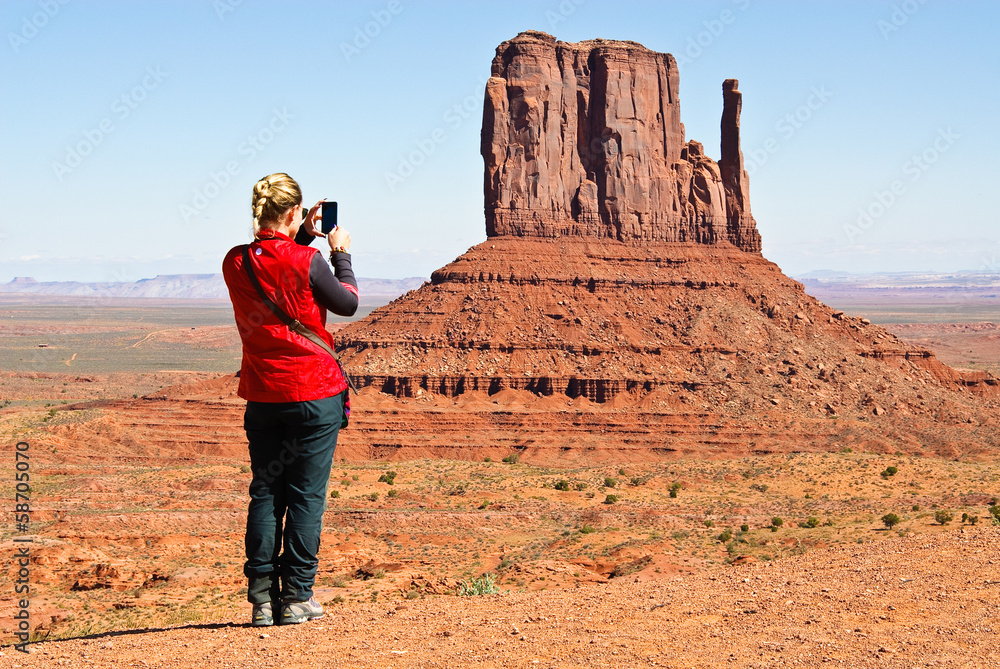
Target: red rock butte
{"x":623,"y":269}
{"x":586,"y":140}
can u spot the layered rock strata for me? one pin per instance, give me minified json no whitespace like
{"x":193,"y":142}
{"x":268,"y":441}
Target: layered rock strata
{"x":586,"y":140}
{"x":622,"y":270}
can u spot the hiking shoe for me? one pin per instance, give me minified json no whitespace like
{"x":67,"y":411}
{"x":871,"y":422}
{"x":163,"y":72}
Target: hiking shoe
{"x":262,"y":615}
{"x":299,"y":612}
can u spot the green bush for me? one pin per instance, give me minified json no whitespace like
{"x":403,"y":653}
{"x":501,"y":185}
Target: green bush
{"x":675,"y":488}
{"x":811,"y":521}
{"x":609,"y":482}
{"x":334,"y":494}
{"x":388,"y":477}
{"x":889,"y":471}
{"x":393,"y":493}
{"x":890,"y":520}
{"x":725,"y":536}
{"x":511,"y":459}
{"x":611,"y":499}
{"x":942,"y":517}
{"x":587,"y":529}
{"x":562,"y":484}
{"x":484,"y":585}
{"x":777,"y":522}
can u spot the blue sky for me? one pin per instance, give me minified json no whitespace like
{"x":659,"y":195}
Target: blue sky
{"x":132,"y":132}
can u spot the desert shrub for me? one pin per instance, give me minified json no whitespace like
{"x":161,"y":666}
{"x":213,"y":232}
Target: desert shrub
{"x":709,"y":523}
{"x":511,"y":459}
{"x":995,"y":511}
{"x":486,"y":459}
{"x":581,"y":486}
{"x":609,"y":482}
{"x":484,"y":585}
{"x":587,"y":529}
{"x":759,"y":487}
{"x":388,"y":477}
{"x":915,"y":508}
{"x":372,"y":497}
{"x":334,"y":494}
{"x":942,"y":517}
{"x":675,"y":488}
{"x":890,"y":520}
{"x":392,"y":493}
{"x":744,"y":528}
{"x":561,"y":484}
{"x":725,"y":536}
{"x":777,"y":522}
{"x":889,"y":471}
{"x":811,"y":521}
{"x":635,"y":481}
{"x":611,"y":499}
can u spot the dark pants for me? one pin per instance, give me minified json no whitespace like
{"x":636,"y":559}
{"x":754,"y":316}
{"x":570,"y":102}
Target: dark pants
{"x":291,"y":452}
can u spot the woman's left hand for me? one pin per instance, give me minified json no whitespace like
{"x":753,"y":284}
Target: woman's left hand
{"x":313,"y":220}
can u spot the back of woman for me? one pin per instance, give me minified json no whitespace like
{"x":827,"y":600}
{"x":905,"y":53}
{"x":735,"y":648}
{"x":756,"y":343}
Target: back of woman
{"x":295,"y":390}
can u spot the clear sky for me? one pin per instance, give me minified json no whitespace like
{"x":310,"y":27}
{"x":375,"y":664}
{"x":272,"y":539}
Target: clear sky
{"x":131,"y":133}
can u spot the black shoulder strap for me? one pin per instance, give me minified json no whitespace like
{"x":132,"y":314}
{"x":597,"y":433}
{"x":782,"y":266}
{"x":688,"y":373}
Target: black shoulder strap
{"x":293,"y":324}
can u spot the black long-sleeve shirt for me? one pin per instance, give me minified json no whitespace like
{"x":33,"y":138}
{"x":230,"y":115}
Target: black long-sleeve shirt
{"x":336,"y":290}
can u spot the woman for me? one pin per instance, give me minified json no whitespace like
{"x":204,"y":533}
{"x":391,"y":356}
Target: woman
{"x":295,"y":393}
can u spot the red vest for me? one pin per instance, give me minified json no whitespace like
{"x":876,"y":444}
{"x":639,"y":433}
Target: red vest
{"x":279,"y":365}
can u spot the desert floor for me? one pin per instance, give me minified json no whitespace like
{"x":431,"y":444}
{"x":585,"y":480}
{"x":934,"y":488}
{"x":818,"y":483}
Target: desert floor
{"x":774,"y":560}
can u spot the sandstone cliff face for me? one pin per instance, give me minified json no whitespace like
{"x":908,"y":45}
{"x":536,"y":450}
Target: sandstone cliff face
{"x":623,"y":269}
{"x":586,"y":140}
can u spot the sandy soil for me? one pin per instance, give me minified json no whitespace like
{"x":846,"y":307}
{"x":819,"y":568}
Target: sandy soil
{"x":908,"y":602}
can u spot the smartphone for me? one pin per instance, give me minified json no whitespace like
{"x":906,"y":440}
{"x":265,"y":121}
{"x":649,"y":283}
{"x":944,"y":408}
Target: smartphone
{"x":329,"y":214}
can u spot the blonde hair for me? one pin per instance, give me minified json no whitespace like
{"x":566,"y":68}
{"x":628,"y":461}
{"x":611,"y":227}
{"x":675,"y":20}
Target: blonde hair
{"x":273,"y":196}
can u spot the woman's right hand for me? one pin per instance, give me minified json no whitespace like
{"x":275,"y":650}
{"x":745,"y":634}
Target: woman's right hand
{"x":339,"y":237}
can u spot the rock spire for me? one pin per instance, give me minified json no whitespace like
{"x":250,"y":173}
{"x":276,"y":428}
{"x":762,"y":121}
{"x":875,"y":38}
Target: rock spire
{"x":585,"y":139}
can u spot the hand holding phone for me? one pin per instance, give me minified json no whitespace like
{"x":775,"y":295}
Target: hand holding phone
{"x":328,"y":213}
